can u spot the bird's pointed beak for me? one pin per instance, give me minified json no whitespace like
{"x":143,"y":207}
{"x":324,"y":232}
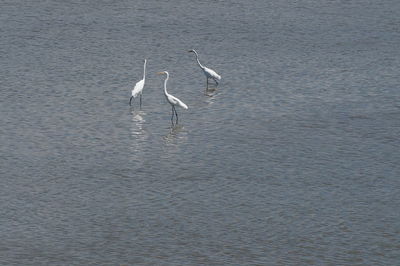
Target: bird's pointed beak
{"x":190,"y":51}
{"x":160,"y":73}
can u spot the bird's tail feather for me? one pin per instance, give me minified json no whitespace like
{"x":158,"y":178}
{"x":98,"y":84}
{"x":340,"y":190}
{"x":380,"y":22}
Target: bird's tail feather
{"x":184,"y":106}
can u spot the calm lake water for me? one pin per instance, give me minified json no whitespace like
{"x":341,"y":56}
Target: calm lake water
{"x":293,"y":160}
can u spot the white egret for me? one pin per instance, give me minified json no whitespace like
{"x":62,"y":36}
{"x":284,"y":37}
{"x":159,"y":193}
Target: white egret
{"x":209,"y":73}
{"x":173,"y":101}
{"x":138,"y":89}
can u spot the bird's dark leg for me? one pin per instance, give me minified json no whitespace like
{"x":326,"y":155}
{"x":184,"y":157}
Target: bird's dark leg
{"x":130,"y":101}
{"x":207,"y":83}
{"x":216,"y":82}
{"x":172,"y":117}
{"x":140,"y":101}
{"x":176,"y":115}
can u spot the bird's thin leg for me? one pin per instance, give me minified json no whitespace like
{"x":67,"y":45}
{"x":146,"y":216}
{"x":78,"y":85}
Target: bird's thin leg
{"x":207,"y":83}
{"x":140,"y":101}
{"x":172,"y":117}
{"x":176,"y":115}
{"x":216,"y":82}
{"x":130,"y":101}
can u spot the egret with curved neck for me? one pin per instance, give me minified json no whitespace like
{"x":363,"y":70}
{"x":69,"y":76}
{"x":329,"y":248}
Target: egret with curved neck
{"x":138,"y":89}
{"x":208,"y":72}
{"x":173,"y":101}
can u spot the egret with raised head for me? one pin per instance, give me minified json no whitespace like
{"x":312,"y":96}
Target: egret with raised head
{"x":138,"y":89}
{"x":173,"y":101}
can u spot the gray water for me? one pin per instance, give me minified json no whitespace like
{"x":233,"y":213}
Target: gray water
{"x":292,"y":160}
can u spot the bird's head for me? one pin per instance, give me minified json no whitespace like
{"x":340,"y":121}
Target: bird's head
{"x":162,"y":73}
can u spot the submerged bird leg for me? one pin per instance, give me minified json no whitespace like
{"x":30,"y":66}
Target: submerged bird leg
{"x":130,"y":101}
{"x":140,"y":101}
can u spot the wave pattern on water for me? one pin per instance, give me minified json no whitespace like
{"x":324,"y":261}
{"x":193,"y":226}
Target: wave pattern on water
{"x":292,"y":160}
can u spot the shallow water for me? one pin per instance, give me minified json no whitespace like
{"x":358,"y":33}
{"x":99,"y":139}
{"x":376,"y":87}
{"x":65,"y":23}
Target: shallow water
{"x":292,"y":160}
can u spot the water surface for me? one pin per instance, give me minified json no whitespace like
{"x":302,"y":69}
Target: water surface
{"x":292,"y":160}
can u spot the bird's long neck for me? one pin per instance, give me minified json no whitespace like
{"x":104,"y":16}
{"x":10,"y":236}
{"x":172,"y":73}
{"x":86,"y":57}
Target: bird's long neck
{"x":197,"y":58}
{"x":165,"y":85}
{"x":144,"y":70}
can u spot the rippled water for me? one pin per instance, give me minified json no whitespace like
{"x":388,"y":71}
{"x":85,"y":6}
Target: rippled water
{"x":292,"y":160}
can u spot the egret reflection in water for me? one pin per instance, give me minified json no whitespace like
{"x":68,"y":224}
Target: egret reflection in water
{"x":176,"y":132}
{"x":138,"y":133}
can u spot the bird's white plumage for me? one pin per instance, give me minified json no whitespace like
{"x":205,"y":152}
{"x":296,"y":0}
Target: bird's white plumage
{"x":138,"y":88}
{"x":175,"y":101}
{"x":211,"y":73}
